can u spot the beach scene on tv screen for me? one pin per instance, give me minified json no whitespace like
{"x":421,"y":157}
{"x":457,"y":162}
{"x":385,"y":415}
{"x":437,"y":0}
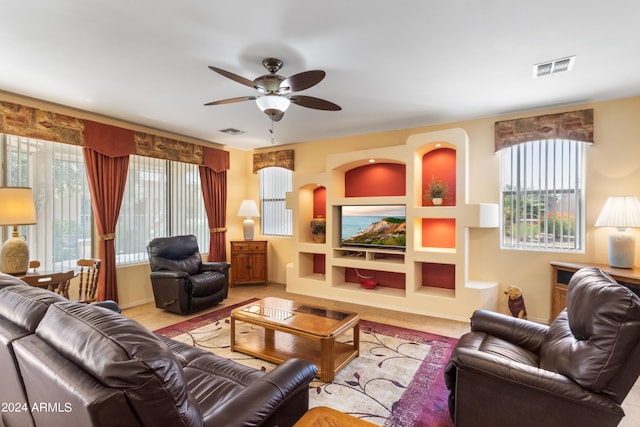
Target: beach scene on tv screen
{"x":381,"y":225}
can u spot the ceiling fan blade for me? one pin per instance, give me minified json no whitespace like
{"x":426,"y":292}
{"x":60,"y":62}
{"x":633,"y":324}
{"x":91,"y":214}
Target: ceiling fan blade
{"x":302,"y":81}
{"x":233,"y":77}
{"x":232,"y":100}
{"x":312,"y":102}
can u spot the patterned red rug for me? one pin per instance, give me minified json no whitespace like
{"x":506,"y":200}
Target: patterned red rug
{"x":397,"y":381}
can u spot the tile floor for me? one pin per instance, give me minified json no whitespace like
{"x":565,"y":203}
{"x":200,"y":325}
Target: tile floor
{"x":153,"y":318}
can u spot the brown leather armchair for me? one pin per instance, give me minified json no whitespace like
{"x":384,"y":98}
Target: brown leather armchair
{"x":577,"y":371}
{"x":181,"y":282}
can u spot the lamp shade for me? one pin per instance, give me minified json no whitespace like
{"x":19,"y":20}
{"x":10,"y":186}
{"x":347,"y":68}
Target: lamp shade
{"x":620,"y":212}
{"x":273,"y":102}
{"x":17,"y":207}
{"x":248,"y":209}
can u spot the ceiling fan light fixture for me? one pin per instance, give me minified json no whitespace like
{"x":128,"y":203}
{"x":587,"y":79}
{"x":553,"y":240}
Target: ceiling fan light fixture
{"x":273,"y":102}
{"x":274,"y":90}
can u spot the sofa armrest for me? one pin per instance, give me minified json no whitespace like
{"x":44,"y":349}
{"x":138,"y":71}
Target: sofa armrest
{"x":524,"y":333}
{"x":264,"y":397}
{"x":172,"y":290}
{"x":166,"y":274}
{"x":110,"y":304}
{"x":222,"y":267}
{"x":548,"y":385}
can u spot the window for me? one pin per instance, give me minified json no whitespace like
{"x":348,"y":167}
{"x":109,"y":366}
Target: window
{"x":162,"y":198}
{"x":276,"y":219}
{"x":542,"y":196}
{"x":56,"y":173}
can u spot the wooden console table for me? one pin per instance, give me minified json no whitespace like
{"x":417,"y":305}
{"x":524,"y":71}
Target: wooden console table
{"x":563,"y":271}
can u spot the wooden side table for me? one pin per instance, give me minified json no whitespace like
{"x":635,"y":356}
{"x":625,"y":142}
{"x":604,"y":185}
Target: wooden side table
{"x":322,"y":416}
{"x":49,"y":280}
{"x":563,"y":271}
{"x":248,"y":262}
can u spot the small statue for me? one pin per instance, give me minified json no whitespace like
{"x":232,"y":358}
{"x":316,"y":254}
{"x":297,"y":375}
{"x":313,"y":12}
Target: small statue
{"x":516,"y":302}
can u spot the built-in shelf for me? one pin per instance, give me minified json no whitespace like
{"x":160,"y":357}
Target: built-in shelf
{"x":315,"y":276}
{"x":318,"y":248}
{"x":437,"y":292}
{"x":378,"y":291}
{"x":431,"y":275}
{"x":369,"y":254}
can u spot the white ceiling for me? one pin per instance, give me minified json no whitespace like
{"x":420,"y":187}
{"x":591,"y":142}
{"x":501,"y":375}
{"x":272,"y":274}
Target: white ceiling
{"x":390,"y":64}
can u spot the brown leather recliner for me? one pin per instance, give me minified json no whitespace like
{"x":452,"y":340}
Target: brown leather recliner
{"x":577,"y":371}
{"x":181,"y":282}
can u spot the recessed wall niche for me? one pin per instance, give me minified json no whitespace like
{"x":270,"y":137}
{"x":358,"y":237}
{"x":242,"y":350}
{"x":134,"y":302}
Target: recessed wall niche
{"x":320,"y":202}
{"x":376,"y":180}
{"x":439,"y":233}
{"x":439,"y":164}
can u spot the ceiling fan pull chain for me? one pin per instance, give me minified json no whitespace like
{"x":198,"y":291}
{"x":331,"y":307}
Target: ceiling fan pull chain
{"x":273,"y":135}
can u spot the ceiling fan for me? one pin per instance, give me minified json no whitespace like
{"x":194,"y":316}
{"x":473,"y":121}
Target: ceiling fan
{"x":275,"y":92}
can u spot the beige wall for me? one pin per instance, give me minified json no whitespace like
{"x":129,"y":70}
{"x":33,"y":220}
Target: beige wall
{"x":613,"y":168}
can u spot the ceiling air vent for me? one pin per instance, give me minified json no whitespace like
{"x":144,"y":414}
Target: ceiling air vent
{"x":553,"y":67}
{"x":232,"y":131}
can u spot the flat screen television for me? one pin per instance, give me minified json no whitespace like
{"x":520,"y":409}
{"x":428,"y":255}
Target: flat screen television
{"x":381,"y":226}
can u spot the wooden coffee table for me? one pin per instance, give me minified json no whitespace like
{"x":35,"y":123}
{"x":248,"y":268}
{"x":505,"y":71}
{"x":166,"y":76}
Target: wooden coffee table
{"x":321,"y":416}
{"x":286,"y":329}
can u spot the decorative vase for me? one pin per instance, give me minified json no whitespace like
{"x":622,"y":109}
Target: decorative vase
{"x":437,"y":201}
{"x":318,"y":230}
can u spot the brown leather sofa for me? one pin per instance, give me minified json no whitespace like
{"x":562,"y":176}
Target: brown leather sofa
{"x":575,"y":372}
{"x":70,"y":364}
{"x":181,"y":282}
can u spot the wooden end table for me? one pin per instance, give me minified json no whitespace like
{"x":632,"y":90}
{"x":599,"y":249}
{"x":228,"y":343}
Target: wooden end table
{"x":287,"y":329}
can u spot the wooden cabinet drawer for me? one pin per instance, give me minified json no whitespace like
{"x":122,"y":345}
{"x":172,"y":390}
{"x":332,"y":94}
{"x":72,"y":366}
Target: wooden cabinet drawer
{"x":248,"y":246}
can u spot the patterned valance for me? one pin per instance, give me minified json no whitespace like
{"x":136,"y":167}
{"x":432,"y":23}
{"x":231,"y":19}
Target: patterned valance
{"x":573,"y":125}
{"x":16,"y":119}
{"x":166,"y":148}
{"x":281,"y":158}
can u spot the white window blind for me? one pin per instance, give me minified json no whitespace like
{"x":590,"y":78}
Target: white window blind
{"x":542,"y":196}
{"x":188,"y":215}
{"x":276,"y":219}
{"x":56,"y":173}
{"x":162,"y":198}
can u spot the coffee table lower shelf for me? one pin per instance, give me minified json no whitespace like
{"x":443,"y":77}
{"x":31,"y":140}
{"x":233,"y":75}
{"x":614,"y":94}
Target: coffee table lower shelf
{"x":277,"y":347}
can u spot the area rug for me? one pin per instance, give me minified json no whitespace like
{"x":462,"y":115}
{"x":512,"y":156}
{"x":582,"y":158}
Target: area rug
{"x":397,"y":381}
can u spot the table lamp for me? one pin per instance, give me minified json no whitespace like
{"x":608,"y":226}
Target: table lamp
{"x":621,"y":213}
{"x":16,"y":208}
{"x":248,"y":209}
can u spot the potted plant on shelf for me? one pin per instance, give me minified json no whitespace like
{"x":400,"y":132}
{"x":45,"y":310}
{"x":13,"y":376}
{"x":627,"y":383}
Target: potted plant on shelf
{"x":437,"y":191}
